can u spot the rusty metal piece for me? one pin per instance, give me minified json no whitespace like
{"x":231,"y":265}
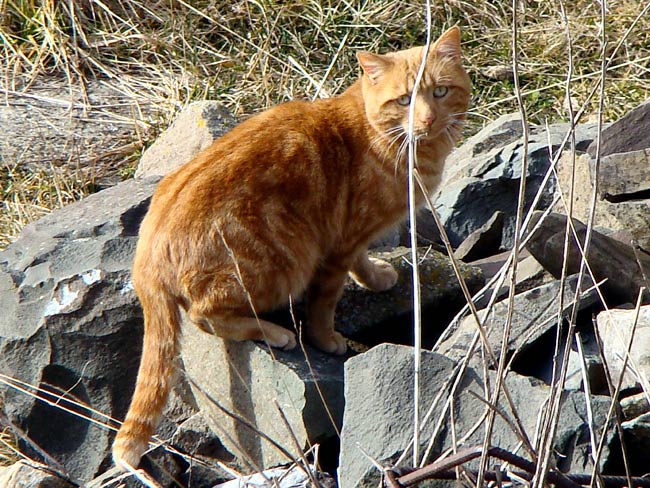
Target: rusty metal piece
{"x":390,"y":479}
{"x":418,"y":475}
{"x":443,"y":469}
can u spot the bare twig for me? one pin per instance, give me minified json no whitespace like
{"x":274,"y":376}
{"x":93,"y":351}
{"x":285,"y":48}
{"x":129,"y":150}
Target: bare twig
{"x":417,"y":317}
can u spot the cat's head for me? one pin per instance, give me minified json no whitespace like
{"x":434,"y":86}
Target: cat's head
{"x":441,"y":101}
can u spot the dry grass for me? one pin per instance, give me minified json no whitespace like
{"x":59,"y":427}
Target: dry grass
{"x":7,"y":454}
{"x":252,"y":54}
{"x":28,"y":195}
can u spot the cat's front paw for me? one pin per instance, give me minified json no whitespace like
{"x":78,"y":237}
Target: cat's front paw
{"x":380,"y":276}
{"x":280,"y":339}
{"x":331,"y":342}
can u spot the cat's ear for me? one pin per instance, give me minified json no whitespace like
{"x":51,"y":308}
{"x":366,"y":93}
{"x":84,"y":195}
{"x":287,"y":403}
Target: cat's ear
{"x":374,"y":65}
{"x":448,"y":44}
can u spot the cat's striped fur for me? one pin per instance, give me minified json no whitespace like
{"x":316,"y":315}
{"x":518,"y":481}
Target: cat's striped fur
{"x":283,"y":205}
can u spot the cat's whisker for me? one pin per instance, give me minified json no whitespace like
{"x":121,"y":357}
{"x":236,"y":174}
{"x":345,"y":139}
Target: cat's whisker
{"x":377,"y":143}
{"x":450,"y":137}
{"x":384,"y":148}
{"x":393,"y":130}
{"x":399,"y":135}
{"x":472,"y":114}
{"x":401,"y":154}
{"x":457,"y":125}
{"x":385,"y":141}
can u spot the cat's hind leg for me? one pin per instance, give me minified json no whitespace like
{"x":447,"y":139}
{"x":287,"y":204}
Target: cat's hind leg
{"x":240,"y":328}
{"x":219,"y":304}
{"x":372,"y":273}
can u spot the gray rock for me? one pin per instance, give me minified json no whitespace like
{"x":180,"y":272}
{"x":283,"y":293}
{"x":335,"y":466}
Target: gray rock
{"x":427,"y":230}
{"x":28,"y":474}
{"x":535,"y":314}
{"x":629,"y":133}
{"x":623,"y":176}
{"x":72,"y":324}
{"x":632,"y":216}
{"x":624,"y":193}
{"x":634,"y":406}
{"x":615,"y":328}
{"x":579,"y":171}
{"x":198,"y":440}
{"x":624,"y":187}
{"x":246,"y":379}
{"x":378,"y":417}
{"x":610,"y":259}
{"x":203,"y":449}
{"x":593,"y":366}
{"x":195,"y":128}
{"x":491,"y":265}
{"x":483,"y":174}
{"x":388,"y":239}
{"x":484,"y":241}
{"x":637,"y":437}
{"x":530,"y":274}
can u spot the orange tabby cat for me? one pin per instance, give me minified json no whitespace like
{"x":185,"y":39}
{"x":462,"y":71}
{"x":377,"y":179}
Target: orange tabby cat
{"x":286,"y":203}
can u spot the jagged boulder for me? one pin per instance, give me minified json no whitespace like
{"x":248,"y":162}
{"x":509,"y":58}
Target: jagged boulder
{"x":72,"y":325}
{"x":610,"y":259}
{"x":27,"y":474}
{"x":195,"y":128}
{"x":536,"y":313}
{"x":247,"y":379}
{"x":378,"y":419}
{"x":623,"y":200}
{"x":620,"y":330}
{"x":483,"y":175}
{"x":629,"y":133}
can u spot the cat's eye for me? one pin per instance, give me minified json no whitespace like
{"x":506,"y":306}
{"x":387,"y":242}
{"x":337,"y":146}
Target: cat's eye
{"x":403,"y":100}
{"x":440,"y":91}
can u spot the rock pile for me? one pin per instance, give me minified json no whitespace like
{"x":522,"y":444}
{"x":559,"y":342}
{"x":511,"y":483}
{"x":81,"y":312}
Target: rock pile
{"x":71,"y":331}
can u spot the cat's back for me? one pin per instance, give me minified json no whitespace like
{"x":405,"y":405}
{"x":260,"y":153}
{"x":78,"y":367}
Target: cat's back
{"x":275,"y":136}
{"x":288,"y":159}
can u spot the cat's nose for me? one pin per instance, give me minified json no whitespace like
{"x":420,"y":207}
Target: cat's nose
{"x":429,"y":119}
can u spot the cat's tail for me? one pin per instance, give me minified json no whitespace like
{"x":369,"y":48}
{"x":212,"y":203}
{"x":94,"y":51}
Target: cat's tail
{"x":155,"y":377}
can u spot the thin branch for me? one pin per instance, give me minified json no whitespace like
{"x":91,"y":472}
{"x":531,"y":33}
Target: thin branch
{"x":417,"y":317}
